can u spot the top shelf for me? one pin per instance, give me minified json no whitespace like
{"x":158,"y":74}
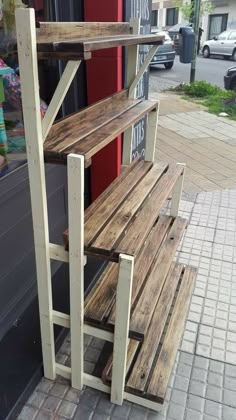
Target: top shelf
{"x":54,"y":41}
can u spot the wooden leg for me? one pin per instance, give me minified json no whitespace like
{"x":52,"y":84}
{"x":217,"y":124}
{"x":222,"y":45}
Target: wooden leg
{"x":27,"y":52}
{"x":177,"y":192}
{"x":151,"y":135}
{"x":75,"y":165}
{"x":123,"y":301}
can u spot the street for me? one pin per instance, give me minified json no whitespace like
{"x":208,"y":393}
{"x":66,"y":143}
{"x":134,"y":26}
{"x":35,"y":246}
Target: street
{"x":211,"y":70}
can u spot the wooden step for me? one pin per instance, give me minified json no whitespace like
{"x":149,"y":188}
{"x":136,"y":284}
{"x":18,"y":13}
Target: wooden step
{"x":149,"y":365}
{"x":54,"y":41}
{"x":71,"y":130}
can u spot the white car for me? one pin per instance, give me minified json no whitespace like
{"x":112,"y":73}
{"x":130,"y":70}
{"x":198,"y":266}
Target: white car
{"x":223,"y":44}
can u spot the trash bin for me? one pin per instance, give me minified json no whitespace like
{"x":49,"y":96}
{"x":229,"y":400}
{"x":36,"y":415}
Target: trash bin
{"x":186,"y":44}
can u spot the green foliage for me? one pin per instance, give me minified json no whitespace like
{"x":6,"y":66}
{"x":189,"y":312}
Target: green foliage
{"x":216,"y":104}
{"x":187,"y":9}
{"x":200,"y":89}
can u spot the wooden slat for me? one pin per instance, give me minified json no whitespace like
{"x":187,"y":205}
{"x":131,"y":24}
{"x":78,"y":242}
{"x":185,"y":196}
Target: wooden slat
{"x":160,"y":377}
{"x":142,"y":367}
{"x":97,"y":43}
{"x":59,"y":31}
{"x":146,"y":304}
{"x":145,"y":260}
{"x":138,"y":231}
{"x":100,"y":299}
{"x":105,"y":194}
{"x":111,"y":205}
{"x":132,"y":349}
{"x":70,"y":130}
{"x":90,"y":145}
{"x":115,"y":229}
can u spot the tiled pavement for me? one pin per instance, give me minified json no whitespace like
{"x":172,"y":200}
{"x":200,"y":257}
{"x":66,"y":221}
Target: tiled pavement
{"x":203,"y":382}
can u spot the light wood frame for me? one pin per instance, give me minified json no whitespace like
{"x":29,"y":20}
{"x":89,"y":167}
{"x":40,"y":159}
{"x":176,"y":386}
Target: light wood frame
{"x":35,"y":133}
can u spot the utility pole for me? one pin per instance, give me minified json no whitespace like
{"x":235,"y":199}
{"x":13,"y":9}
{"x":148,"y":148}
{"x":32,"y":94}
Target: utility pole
{"x":195,"y":21}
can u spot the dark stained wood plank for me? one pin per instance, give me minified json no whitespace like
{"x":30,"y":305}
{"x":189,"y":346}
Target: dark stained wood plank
{"x":64,"y":56}
{"x":105,"y":194}
{"x":132,"y":349}
{"x":145,"y":259}
{"x":97,"y":43}
{"x":71,"y":129}
{"x":100,"y":299}
{"x":162,"y":371}
{"x":111,"y":205}
{"x":115,"y":229}
{"x":146,"y":304}
{"x":90,"y":145}
{"x":59,"y":31}
{"x":138,"y":231}
{"x":143,"y":364}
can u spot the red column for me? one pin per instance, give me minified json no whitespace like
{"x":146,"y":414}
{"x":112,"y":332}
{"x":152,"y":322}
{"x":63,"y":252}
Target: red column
{"x":104,"y":77}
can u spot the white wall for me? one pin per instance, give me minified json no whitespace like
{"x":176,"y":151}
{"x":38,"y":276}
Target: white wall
{"x":228,"y":6}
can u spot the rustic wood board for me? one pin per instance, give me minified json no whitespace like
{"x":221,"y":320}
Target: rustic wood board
{"x":84,"y":45}
{"x":132,"y":350}
{"x":138,"y":231}
{"x":91,"y":144}
{"x":161,"y":374}
{"x":145,"y":259}
{"x":111,"y":205}
{"x":146,"y":304}
{"x":115,"y":229}
{"x":105,"y":194}
{"x":70,"y":130}
{"x":140,"y":373}
{"x":61,"y":31}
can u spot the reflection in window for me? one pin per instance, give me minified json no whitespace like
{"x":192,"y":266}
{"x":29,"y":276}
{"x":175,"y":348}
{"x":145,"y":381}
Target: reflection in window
{"x":12,"y":139}
{"x":172,"y":16}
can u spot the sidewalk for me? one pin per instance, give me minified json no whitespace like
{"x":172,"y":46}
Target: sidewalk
{"x":203,"y":383}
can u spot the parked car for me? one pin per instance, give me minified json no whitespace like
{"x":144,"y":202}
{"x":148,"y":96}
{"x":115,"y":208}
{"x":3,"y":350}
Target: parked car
{"x":230,"y":79}
{"x":166,"y":52}
{"x":223,"y":44}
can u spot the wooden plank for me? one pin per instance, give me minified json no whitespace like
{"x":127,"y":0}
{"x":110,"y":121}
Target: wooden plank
{"x":105,"y":194}
{"x":145,"y":259}
{"x":26,"y":38}
{"x":64,"y":56}
{"x":161,"y":374}
{"x":76,"y":264}
{"x":70,"y":130}
{"x":146,"y":304}
{"x":115,"y":229}
{"x":99,"y":300}
{"x":121,"y":333}
{"x":138,"y":231}
{"x":110,"y":206}
{"x":143,"y":364}
{"x":90,"y":145}
{"x":132,"y":349}
{"x":59,"y":31}
{"x":177,"y":193}
{"x":99,"y":43}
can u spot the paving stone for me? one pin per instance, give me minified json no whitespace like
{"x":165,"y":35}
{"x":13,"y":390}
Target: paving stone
{"x":44,"y":415}
{"x":104,"y":405}
{"x":51,"y":404}
{"x":90,"y":398}
{"x":138,"y":413}
{"x":73,"y":395}
{"x":189,"y":337}
{"x":45,"y":385}
{"x":122,"y":412}
{"x":175,"y":412}
{"x":37,"y":399}
{"x":97,"y":416}
{"x":28,"y":413}
{"x":83,"y":413}
{"x":67,"y":409}
{"x":59,"y":390}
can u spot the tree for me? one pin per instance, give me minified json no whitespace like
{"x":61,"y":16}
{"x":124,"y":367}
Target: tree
{"x":187,"y":8}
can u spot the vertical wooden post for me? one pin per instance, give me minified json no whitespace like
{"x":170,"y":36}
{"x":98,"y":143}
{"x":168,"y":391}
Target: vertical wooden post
{"x":151,"y":135}
{"x":132,"y":67}
{"x":27,"y":51}
{"x":177,"y":193}
{"x":75,"y":165}
{"x":121,"y":334}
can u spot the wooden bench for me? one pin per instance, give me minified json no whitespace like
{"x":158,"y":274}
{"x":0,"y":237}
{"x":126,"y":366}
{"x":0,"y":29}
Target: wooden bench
{"x":140,"y":301}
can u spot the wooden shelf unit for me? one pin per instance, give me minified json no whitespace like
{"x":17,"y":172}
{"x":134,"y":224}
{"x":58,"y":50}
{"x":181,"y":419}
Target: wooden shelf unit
{"x":137,"y":302}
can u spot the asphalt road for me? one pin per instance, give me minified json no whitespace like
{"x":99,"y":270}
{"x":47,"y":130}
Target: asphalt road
{"x":209,"y":69}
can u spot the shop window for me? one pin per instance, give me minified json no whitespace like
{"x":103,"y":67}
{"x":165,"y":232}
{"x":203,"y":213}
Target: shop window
{"x":12,"y":138}
{"x":172,"y":16}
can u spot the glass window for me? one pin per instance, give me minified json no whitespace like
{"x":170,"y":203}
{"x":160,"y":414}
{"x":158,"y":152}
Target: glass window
{"x":222,"y":36}
{"x":12,"y":139}
{"x":172,"y":16}
{"x":232,"y":36}
{"x":155,"y":18}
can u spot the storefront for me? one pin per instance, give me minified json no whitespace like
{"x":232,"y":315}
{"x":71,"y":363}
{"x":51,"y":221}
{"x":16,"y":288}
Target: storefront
{"x":20,"y":352}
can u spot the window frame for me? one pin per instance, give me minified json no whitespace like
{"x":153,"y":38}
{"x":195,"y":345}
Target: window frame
{"x":175,"y":16}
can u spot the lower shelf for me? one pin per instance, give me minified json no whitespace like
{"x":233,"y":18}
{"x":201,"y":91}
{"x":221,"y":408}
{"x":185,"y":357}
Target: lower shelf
{"x":150,"y":363}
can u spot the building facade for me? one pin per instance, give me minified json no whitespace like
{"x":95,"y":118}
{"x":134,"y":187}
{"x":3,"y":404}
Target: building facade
{"x":222,"y":17}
